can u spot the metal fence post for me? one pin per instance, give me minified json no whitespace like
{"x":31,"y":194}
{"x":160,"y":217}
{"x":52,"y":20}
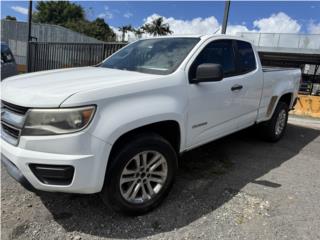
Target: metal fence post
{"x":29,"y":35}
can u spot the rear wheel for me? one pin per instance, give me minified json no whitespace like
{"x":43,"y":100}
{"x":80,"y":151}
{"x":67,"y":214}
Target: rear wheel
{"x":140,"y":175}
{"x":274,"y":129}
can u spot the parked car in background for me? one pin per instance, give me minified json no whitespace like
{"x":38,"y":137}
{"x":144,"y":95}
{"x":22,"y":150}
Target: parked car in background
{"x":8,"y":64}
{"x":118,"y":128}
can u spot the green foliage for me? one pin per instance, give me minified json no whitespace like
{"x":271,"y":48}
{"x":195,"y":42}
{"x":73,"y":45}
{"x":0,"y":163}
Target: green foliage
{"x":72,"y":16}
{"x":57,"y":12}
{"x":138,"y":32}
{"x":11,"y":18}
{"x":97,"y":29}
{"x":157,"y":27}
{"x":100,"y":30}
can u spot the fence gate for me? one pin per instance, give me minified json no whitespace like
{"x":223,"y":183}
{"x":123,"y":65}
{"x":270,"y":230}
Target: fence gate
{"x":50,"y":55}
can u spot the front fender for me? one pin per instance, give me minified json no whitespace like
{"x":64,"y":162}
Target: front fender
{"x":121,"y":116}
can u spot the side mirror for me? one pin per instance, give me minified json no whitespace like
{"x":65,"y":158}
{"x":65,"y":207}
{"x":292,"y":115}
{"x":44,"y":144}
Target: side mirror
{"x":208,"y":72}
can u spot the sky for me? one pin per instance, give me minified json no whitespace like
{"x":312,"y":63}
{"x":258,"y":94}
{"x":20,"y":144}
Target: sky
{"x":196,"y":17}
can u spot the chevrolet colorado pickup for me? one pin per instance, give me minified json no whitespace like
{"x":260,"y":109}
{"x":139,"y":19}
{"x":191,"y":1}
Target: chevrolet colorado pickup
{"x":118,"y":128}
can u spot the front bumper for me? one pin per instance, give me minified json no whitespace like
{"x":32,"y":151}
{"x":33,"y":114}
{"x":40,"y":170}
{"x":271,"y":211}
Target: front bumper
{"x":86,"y":154}
{"x":16,"y":174}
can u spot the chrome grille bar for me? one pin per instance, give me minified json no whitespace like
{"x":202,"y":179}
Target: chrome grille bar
{"x":14,"y":108}
{"x":12,"y":121}
{"x":12,"y":118}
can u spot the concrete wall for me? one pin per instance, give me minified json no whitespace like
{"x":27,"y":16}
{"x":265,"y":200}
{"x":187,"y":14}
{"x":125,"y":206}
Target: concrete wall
{"x":309,"y":69}
{"x":284,"y":42}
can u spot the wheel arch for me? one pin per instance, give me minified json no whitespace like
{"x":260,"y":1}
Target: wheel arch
{"x":168,"y":129}
{"x":286,"y":97}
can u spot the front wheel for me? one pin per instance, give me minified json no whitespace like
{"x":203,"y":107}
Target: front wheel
{"x":274,"y":129}
{"x":140,"y":175}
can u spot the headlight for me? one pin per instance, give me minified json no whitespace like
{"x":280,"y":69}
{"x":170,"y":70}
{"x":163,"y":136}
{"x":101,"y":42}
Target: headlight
{"x":57,"y":121}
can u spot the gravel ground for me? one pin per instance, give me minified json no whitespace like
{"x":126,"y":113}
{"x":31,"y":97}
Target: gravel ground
{"x":235,"y":188}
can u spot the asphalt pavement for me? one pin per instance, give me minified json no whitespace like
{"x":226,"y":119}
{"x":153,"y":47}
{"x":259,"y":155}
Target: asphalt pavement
{"x":238,"y":187}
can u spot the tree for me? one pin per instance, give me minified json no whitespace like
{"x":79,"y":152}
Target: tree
{"x":97,"y":29}
{"x":101,"y":30}
{"x":72,"y":16}
{"x":11,"y":18}
{"x":138,"y":32}
{"x":157,"y":27}
{"x":124,"y":30}
{"x":57,"y":12}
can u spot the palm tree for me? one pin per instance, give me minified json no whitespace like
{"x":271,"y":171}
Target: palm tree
{"x":138,"y":32}
{"x":124,"y":30}
{"x":157,"y":27}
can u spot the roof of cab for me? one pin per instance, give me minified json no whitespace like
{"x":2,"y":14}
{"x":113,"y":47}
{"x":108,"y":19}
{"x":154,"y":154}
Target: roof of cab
{"x":203,"y":37}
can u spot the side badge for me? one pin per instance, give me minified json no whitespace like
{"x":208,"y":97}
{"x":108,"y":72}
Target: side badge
{"x":200,"y":124}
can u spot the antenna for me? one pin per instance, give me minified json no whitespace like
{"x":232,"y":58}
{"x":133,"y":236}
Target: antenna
{"x":217,"y":30}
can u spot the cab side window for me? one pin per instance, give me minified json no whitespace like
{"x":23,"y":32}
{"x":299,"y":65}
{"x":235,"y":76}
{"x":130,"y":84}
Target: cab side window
{"x":219,"y":52}
{"x":246,"y":58}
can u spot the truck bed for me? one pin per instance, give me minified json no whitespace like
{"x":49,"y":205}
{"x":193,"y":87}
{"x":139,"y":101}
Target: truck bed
{"x":274,"y":69}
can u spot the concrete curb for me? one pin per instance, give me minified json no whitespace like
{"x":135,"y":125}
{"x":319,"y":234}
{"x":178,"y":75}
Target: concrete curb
{"x":304,"y":121}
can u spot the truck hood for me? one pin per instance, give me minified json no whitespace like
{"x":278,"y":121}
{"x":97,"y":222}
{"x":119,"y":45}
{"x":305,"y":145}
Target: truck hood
{"x":51,"y":88}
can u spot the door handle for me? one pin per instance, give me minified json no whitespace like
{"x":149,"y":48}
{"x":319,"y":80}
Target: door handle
{"x":236,"y":87}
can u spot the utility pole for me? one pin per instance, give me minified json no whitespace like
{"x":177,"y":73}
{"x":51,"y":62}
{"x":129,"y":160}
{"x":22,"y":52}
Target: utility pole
{"x":29,"y":20}
{"x":225,"y":17}
{"x":29,"y":35}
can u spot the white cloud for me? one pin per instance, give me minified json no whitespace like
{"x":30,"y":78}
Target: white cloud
{"x":19,"y":9}
{"x":195,"y":26}
{"x":209,"y":25}
{"x":128,"y":36}
{"x":233,"y":29}
{"x":277,"y":23}
{"x":128,"y":15}
{"x":101,"y":15}
{"x":201,"y":26}
{"x":107,"y":14}
{"x":314,"y":28}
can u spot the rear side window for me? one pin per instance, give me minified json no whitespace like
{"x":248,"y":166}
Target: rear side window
{"x":246,"y":59}
{"x":219,"y":52}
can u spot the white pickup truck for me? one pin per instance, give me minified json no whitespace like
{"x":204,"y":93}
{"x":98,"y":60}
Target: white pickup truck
{"x":118,"y":128}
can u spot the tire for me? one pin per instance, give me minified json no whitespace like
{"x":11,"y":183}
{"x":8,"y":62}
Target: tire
{"x":270,"y":130}
{"x":128,"y":164}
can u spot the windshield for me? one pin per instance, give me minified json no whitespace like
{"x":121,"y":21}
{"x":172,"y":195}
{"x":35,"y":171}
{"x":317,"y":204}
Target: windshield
{"x":155,"y":56}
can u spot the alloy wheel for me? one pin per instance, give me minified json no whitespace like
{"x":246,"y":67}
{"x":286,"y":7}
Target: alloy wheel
{"x":143,"y":177}
{"x":281,"y":122}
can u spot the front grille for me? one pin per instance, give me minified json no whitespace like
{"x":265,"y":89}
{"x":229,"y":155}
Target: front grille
{"x":12,"y":120}
{"x":13,"y":132}
{"x":14,"y":108}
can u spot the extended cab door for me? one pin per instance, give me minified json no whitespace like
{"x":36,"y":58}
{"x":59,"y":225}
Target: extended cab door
{"x":251,"y":80}
{"x":215,"y":108}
